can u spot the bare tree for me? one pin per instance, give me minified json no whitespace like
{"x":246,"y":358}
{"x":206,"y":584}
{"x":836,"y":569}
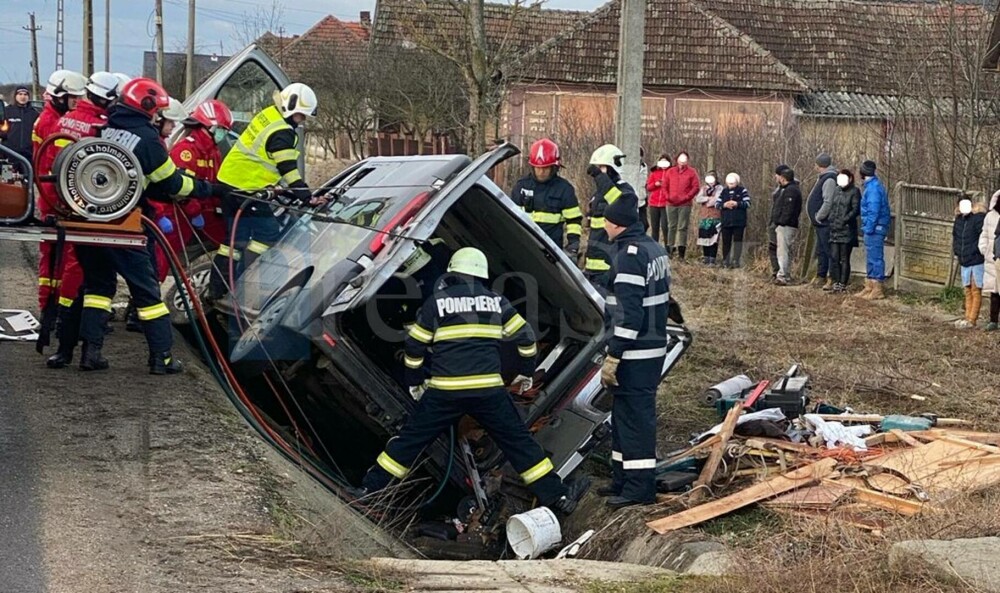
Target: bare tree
{"x":416,"y":94}
{"x":486,"y":52}
{"x":344,"y":83}
{"x":255,"y":24}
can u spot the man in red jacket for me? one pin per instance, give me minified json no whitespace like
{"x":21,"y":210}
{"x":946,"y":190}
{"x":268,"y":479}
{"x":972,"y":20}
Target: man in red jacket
{"x":85,"y":121}
{"x":64,"y":88}
{"x":682,"y":184}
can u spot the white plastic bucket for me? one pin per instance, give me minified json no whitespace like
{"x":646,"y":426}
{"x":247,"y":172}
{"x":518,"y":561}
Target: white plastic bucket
{"x":533,"y":533}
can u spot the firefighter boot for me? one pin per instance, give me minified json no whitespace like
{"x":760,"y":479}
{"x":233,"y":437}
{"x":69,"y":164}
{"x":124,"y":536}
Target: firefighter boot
{"x":164,"y":363}
{"x":91,"y":359}
{"x":68,"y":332}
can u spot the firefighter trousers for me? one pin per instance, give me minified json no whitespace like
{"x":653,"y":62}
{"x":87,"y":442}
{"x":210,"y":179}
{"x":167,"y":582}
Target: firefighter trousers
{"x":101,"y":266}
{"x":256,"y":232}
{"x":495,"y":411}
{"x":633,"y":428}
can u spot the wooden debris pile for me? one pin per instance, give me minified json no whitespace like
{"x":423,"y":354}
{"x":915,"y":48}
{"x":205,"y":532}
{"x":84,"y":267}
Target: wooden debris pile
{"x":901,"y":473}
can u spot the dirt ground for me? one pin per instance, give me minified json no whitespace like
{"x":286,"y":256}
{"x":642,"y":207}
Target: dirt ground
{"x":130,"y":482}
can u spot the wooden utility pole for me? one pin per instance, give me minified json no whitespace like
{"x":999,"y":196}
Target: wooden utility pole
{"x":88,"y":37}
{"x":628,"y":124}
{"x":60,"y":21}
{"x":159,"y":41}
{"x":31,"y":28}
{"x":107,"y":35}
{"x":189,"y":61}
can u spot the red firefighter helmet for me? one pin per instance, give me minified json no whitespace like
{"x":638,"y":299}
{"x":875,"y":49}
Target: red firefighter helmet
{"x":145,"y":95}
{"x":544,"y":153}
{"x":213,"y":114}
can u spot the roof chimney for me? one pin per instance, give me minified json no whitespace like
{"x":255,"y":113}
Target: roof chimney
{"x":366,"y":18}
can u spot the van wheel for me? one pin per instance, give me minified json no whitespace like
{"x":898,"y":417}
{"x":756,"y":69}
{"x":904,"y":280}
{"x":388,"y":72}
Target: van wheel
{"x":199,"y":273}
{"x":259,"y":343}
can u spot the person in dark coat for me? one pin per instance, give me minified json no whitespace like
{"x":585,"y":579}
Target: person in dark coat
{"x":20,"y":119}
{"x":821,"y":192}
{"x":840,"y":214}
{"x":969,"y":219}
{"x":733,"y":203}
{"x":785,"y":214}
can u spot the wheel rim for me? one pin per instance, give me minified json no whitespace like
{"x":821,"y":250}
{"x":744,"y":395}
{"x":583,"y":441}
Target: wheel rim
{"x":199,"y":281}
{"x":257,"y":332}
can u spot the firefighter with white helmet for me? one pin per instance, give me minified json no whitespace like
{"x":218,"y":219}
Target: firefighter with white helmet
{"x":266,"y":155}
{"x":63,"y":90}
{"x":549,"y":199}
{"x":605,"y":168}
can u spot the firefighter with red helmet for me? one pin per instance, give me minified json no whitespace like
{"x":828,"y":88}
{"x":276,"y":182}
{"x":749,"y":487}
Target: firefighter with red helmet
{"x":90,"y":115}
{"x":63,"y":90}
{"x":130,"y":123}
{"x":549,"y":199}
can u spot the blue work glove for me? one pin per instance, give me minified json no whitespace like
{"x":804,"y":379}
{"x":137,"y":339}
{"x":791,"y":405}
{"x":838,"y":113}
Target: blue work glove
{"x":166,"y":225}
{"x":198,"y":222}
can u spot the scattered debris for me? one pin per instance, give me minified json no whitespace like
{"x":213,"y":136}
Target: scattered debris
{"x":825,"y":464}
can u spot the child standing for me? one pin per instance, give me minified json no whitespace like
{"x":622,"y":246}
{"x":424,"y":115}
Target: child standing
{"x":709,"y":218}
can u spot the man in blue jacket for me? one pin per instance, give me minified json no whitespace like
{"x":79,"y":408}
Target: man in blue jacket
{"x":875,"y":220}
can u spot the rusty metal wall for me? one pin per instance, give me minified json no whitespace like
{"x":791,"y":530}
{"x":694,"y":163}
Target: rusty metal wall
{"x":924,"y":219}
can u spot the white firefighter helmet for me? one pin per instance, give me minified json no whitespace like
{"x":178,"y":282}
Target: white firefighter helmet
{"x":608,"y":155}
{"x":104,"y":85}
{"x":123,"y":79}
{"x":66,"y":82}
{"x":175,"y":111}
{"x":296,"y":98}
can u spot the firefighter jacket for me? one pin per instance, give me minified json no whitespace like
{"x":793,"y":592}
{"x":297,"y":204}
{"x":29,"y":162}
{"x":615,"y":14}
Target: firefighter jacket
{"x":83,"y":122}
{"x":266,"y":153}
{"x":16,"y":133}
{"x":46,"y":125}
{"x":598,"y":258}
{"x":465,"y":324}
{"x":637,"y":304}
{"x":134,"y":130}
{"x":199,"y":155}
{"x":552,"y":204}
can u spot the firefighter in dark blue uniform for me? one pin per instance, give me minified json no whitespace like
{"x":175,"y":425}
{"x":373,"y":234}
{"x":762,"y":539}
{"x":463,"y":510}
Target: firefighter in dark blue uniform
{"x":605,"y":168}
{"x":549,"y":199}
{"x":465,"y":324}
{"x":130,"y":123}
{"x":636,"y":314}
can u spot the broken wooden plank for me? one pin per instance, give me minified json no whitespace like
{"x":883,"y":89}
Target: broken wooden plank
{"x":706,"y":444}
{"x":700,"y":487}
{"x":853,"y":518}
{"x":800,"y":478}
{"x":970,"y":444}
{"x":888,"y":502}
{"x":768,"y":443}
{"x":821,"y":496}
{"x":905,"y":438}
{"x":986,"y":459}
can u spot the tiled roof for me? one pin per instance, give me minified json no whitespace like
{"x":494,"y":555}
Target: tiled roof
{"x":686,"y":46}
{"x":440,"y":22}
{"x":856,"y":47}
{"x":330,"y":37}
{"x":836,"y":104}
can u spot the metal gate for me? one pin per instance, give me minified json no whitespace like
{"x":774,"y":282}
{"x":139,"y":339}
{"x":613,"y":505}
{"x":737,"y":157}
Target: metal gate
{"x":924,"y":219}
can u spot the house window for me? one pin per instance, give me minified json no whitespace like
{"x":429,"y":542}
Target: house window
{"x":248,"y":90}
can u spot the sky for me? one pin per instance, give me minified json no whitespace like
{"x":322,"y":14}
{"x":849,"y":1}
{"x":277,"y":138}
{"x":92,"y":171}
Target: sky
{"x":132,"y":29}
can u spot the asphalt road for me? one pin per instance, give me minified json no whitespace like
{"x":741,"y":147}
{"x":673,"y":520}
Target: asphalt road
{"x":21,"y":567}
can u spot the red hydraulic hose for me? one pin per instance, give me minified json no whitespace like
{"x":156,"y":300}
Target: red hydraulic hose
{"x":224,"y":364}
